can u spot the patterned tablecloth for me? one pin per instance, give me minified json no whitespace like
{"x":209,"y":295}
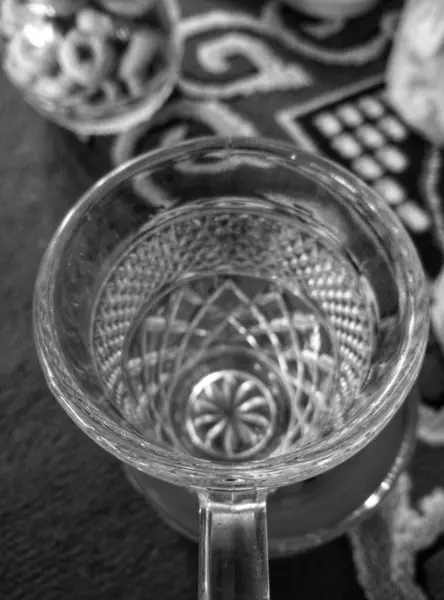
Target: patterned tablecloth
{"x":71,"y":526}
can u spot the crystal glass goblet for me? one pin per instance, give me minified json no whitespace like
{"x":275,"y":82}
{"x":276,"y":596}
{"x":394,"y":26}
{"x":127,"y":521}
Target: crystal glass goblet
{"x":233,"y":318}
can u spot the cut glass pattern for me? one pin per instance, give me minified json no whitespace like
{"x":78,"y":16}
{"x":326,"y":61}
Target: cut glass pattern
{"x":233,"y":336}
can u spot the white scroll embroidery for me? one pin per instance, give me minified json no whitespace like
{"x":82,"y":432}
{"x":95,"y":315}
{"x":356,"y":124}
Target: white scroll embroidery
{"x":324,"y":29}
{"x":356,"y":55}
{"x":431,"y":426}
{"x":385,"y":547}
{"x":215,"y":55}
{"x":430,"y":188}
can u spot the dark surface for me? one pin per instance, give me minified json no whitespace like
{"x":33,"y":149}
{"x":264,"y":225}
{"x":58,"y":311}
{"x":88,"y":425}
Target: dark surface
{"x":70,"y":524}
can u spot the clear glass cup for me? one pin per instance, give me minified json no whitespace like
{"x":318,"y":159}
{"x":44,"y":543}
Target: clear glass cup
{"x":93,"y":68}
{"x":233,"y":317}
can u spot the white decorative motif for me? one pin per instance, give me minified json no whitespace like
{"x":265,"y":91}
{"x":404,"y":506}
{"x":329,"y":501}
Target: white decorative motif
{"x":388,"y":158}
{"x":347,"y":146}
{"x":385,"y":547}
{"x":217,"y":117}
{"x":249,"y":41}
{"x":393,"y":128}
{"x":370,"y":136}
{"x":390,"y":190}
{"x":367,"y":167}
{"x":357,"y":55}
{"x":431,"y":426}
{"x":328,"y":124}
{"x":350,"y":115}
{"x":430,"y":187}
{"x":324,"y":29}
{"x":288,"y":117}
{"x":371,"y":107}
{"x":219,"y":20}
{"x":393,"y":159}
{"x":414,"y":217}
{"x":437,"y":309}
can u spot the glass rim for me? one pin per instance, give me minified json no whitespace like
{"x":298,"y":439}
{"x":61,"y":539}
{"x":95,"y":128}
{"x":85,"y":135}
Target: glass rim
{"x":268,"y":472}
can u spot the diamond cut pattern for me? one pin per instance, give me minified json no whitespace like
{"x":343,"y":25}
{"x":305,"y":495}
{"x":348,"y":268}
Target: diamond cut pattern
{"x":319,"y":343}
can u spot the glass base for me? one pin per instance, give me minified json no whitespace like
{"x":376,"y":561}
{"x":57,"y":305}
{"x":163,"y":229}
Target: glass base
{"x":305,"y":515}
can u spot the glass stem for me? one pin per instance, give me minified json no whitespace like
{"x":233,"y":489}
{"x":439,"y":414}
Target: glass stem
{"x":233,"y":560}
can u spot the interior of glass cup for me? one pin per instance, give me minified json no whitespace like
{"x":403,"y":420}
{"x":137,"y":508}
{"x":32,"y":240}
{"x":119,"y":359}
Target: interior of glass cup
{"x":232,"y":308}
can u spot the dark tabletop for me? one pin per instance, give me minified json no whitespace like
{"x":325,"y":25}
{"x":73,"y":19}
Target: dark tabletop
{"x":70,"y":524}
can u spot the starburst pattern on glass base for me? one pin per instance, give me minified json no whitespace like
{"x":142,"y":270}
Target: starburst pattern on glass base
{"x":231,"y":415}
